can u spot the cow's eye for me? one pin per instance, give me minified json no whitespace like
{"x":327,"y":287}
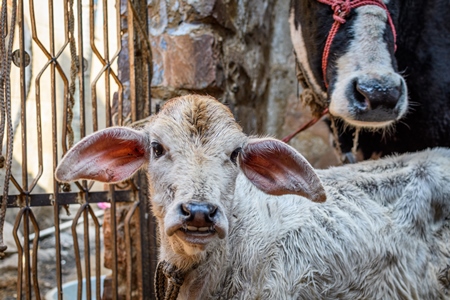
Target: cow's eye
{"x":234,"y":155}
{"x":158,"y":149}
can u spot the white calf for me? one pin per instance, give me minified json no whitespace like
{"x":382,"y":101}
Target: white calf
{"x":235,"y":220}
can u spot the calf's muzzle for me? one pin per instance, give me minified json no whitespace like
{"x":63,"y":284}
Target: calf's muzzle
{"x":198,"y":216}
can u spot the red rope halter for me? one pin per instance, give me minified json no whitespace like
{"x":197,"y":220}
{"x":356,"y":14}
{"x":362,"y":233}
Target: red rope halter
{"x":341,"y":10}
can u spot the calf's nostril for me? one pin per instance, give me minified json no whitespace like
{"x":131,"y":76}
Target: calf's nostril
{"x":185,"y":211}
{"x":199,"y":214}
{"x":212,"y":213}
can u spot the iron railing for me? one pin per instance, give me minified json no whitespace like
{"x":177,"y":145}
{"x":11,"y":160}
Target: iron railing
{"x":57,"y":60}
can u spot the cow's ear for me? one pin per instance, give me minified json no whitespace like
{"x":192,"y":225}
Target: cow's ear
{"x":110,"y":155}
{"x":277,"y":169}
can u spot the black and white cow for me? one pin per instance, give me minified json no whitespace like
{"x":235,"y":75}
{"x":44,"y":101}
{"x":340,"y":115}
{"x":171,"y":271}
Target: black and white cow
{"x":387,"y":67}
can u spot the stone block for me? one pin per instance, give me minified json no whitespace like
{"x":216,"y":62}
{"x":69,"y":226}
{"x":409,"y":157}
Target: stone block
{"x":186,"y":61}
{"x":210,"y":11}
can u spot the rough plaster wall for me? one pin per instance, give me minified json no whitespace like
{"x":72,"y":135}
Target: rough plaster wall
{"x":284,"y":111}
{"x":241,"y":53}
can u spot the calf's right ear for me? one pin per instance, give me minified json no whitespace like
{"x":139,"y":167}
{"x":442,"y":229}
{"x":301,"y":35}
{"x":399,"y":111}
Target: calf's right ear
{"x":111,"y":155}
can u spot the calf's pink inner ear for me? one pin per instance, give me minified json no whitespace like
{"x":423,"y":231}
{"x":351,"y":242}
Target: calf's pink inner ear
{"x":111,"y":155}
{"x":278,"y":169}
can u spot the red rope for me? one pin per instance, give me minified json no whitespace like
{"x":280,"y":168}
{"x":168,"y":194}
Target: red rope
{"x":286,"y":139}
{"x":341,"y":10}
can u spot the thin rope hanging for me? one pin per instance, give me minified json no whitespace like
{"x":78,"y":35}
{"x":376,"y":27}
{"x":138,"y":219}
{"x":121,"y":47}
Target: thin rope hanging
{"x":5,"y":100}
{"x":74,"y":67}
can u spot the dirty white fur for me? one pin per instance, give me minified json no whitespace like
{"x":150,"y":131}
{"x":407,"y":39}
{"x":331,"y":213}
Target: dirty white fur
{"x":376,"y":237}
{"x":382,"y":233}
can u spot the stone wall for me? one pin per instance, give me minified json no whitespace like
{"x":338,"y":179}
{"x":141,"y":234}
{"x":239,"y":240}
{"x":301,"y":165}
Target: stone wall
{"x":241,"y":53}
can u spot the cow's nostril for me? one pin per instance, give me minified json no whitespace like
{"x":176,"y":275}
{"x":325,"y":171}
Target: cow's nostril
{"x":373,"y":94}
{"x":360,"y":97}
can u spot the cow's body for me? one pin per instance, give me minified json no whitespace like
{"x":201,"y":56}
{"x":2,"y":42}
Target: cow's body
{"x":422,"y":56}
{"x":382,"y":232}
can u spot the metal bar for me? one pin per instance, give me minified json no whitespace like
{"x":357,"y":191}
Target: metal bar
{"x":55,"y":197}
{"x":81,"y":67}
{"x":113,"y":243}
{"x":76,"y":248}
{"x":97,"y":253}
{"x":108,"y":64}
{"x":96,"y":52}
{"x":116,"y":55}
{"x":23,"y":94}
{"x":39,"y":134}
{"x":87,"y":252}
{"x":57,"y":240}
{"x":20,"y":252}
{"x":55,"y":162}
{"x":148,"y":241}
{"x":26,"y":248}
{"x":131,"y":55}
{"x":34,"y":269}
{"x":23,"y":115}
{"x":129,"y":246}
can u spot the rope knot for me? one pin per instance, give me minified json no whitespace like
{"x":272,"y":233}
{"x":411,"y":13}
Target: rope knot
{"x":341,"y":10}
{"x":168,"y":280}
{"x":173,"y":274}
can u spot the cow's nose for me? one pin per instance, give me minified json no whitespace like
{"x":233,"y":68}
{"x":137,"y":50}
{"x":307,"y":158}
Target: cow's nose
{"x":199,"y":214}
{"x":373,"y":94}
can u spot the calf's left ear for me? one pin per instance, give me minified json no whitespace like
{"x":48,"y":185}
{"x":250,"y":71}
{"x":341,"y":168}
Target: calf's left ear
{"x":110,"y":155}
{"x":277,"y":169}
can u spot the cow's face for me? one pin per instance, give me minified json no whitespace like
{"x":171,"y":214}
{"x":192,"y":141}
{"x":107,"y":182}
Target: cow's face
{"x":365,"y":88}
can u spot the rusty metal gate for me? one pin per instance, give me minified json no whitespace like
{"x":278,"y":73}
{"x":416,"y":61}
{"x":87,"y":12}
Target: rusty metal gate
{"x":69,"y":68}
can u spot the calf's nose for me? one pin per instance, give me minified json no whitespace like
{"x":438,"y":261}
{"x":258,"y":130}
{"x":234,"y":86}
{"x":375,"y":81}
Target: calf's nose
{"x":199,"y":214}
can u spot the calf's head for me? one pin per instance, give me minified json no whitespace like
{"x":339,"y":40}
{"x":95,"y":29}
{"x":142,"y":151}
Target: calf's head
{"x":192,"y":151}
{"x":364,"y":86}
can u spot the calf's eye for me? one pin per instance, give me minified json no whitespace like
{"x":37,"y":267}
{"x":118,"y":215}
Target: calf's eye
{"x":158,"y":149}
{"x":234,"y":155}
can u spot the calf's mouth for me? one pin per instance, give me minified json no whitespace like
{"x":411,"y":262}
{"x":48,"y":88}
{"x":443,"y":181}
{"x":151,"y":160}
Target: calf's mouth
{"x":199,"y":235}
{"x":197,"y":223}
